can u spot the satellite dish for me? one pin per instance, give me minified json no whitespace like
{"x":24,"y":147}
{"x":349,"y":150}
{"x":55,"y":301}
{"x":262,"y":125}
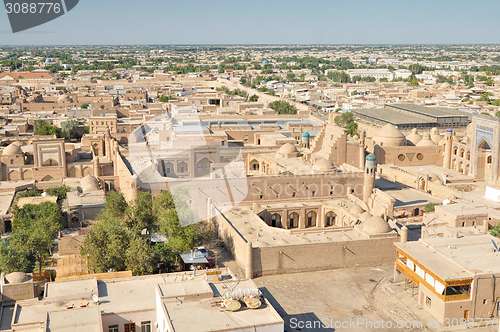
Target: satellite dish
{"x":44,"y":194}
{"x":95,"y":298}
{"x":446,"y":202}
{"x":495,"y":245}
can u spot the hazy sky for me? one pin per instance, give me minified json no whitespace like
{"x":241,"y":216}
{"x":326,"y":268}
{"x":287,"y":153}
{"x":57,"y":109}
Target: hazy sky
{"x":266,"y":22}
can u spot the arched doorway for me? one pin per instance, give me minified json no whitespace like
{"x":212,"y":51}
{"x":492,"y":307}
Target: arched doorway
{"x":311,"y":219}
{"x":254,"y":165}
{"x":483,"y":152}
{"x":330,"y":218}
{"x":293,"y":220}
{"x":421,"y":183}
{"x":276,"y":220}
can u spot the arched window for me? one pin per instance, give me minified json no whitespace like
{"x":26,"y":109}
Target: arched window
{"x":489,"y":160}
{"x":183,"y":167}
{"x":200,"y":168}
{"x":455,"y":150}
{"x":311,"y":219}
{"x":169,"y":168}
{"x":254,"y":165}
{"x":330,"y":218}
{"x":276,"y":220}
{"x":293,"y":220}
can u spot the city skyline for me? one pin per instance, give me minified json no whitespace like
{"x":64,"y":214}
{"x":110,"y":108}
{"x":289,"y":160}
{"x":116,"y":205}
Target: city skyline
{"x":264,"y":23}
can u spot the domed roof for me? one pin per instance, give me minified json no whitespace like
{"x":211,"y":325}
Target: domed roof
{"x":365,"y":216}
{"x":468,"y":131}
{"x":19,"y":143}
{"x":426,"y":141}
{"x":64,"y":97}
{"x":389,"y":131}
{"x":435,"y":137}
{"x":375,"y":225}
{"x":48,"y":60}
{"x":265,"y":61}
{"x":445,"y":85}
{"x":17,"y":277}
{"x":287,"y":149}
{"x":371,"y":157}
{"x":322,"y":164}
{"x":389,"y":135}
{"x":356,"y":210}
{"x":89,"y":183}
{"x":306,"y":134}
{"x":11,"y":150}
{"x":414,"y":137}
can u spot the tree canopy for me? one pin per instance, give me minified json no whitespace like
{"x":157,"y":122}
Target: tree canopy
{"x":115,"y":242}
{"x":283,"y":107}
{"x":347,"y":121}
{"x":44,"y":128}
{"x":34,"y":229}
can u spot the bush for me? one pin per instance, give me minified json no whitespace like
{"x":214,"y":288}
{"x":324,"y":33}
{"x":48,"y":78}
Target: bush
{"x":430,"y":207}
{"x":60,"y":192}
{"x":283,"y":107}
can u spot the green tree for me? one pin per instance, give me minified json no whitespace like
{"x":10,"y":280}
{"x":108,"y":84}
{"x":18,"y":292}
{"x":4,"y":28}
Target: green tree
{"x":282,"y":107}
{"x":290,"y":77}
{"x":12,"y":260}
{"x":495,"y":231}
{"x":484,"y":97}
{"x":139,"y":258}
{"x":67,"y":127}
{"x":489,"y":81}
{"x":34,"y":228}
{"x":60,"y":192}
{"x":43,"y":128}
{"x":271,"y":92}
{"x":253,"y":98}
{"x":347,"y":121}
{"x":115,"y":243}
{"x":430,"y":207}
{"x":84,"y":106}
{"x":166,"y":99}
{"x":414,"y":82}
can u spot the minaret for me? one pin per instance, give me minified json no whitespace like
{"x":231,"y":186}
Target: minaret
{"x":370,"y":169}
{"x":362,"y":149}
{"x":448,"y":143}
{"x":305,"y":140}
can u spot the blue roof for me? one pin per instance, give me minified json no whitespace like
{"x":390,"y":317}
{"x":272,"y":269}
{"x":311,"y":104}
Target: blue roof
{"x":48,"y":60}
{"x":306,"y":134}
{"x":265,"y":61}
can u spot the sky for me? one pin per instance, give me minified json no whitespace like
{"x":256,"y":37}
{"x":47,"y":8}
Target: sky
{"x":165,"y":22}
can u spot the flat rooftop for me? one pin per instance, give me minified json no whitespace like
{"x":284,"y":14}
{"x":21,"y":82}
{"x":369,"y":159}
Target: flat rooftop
{"x":75,"y":320}
{"x":198,"y":316}
{"x":68,"y":288}
{"x":255,"y":230}
{"x":5,"y":202}
{"x":455,"y":258}
{"x":410,"y":197}
{"x":428,"y":111}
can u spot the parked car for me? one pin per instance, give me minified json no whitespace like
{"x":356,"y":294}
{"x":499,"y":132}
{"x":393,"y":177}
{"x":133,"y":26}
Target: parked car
{"x":211,"y":262}
{"x":203,"y":250}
